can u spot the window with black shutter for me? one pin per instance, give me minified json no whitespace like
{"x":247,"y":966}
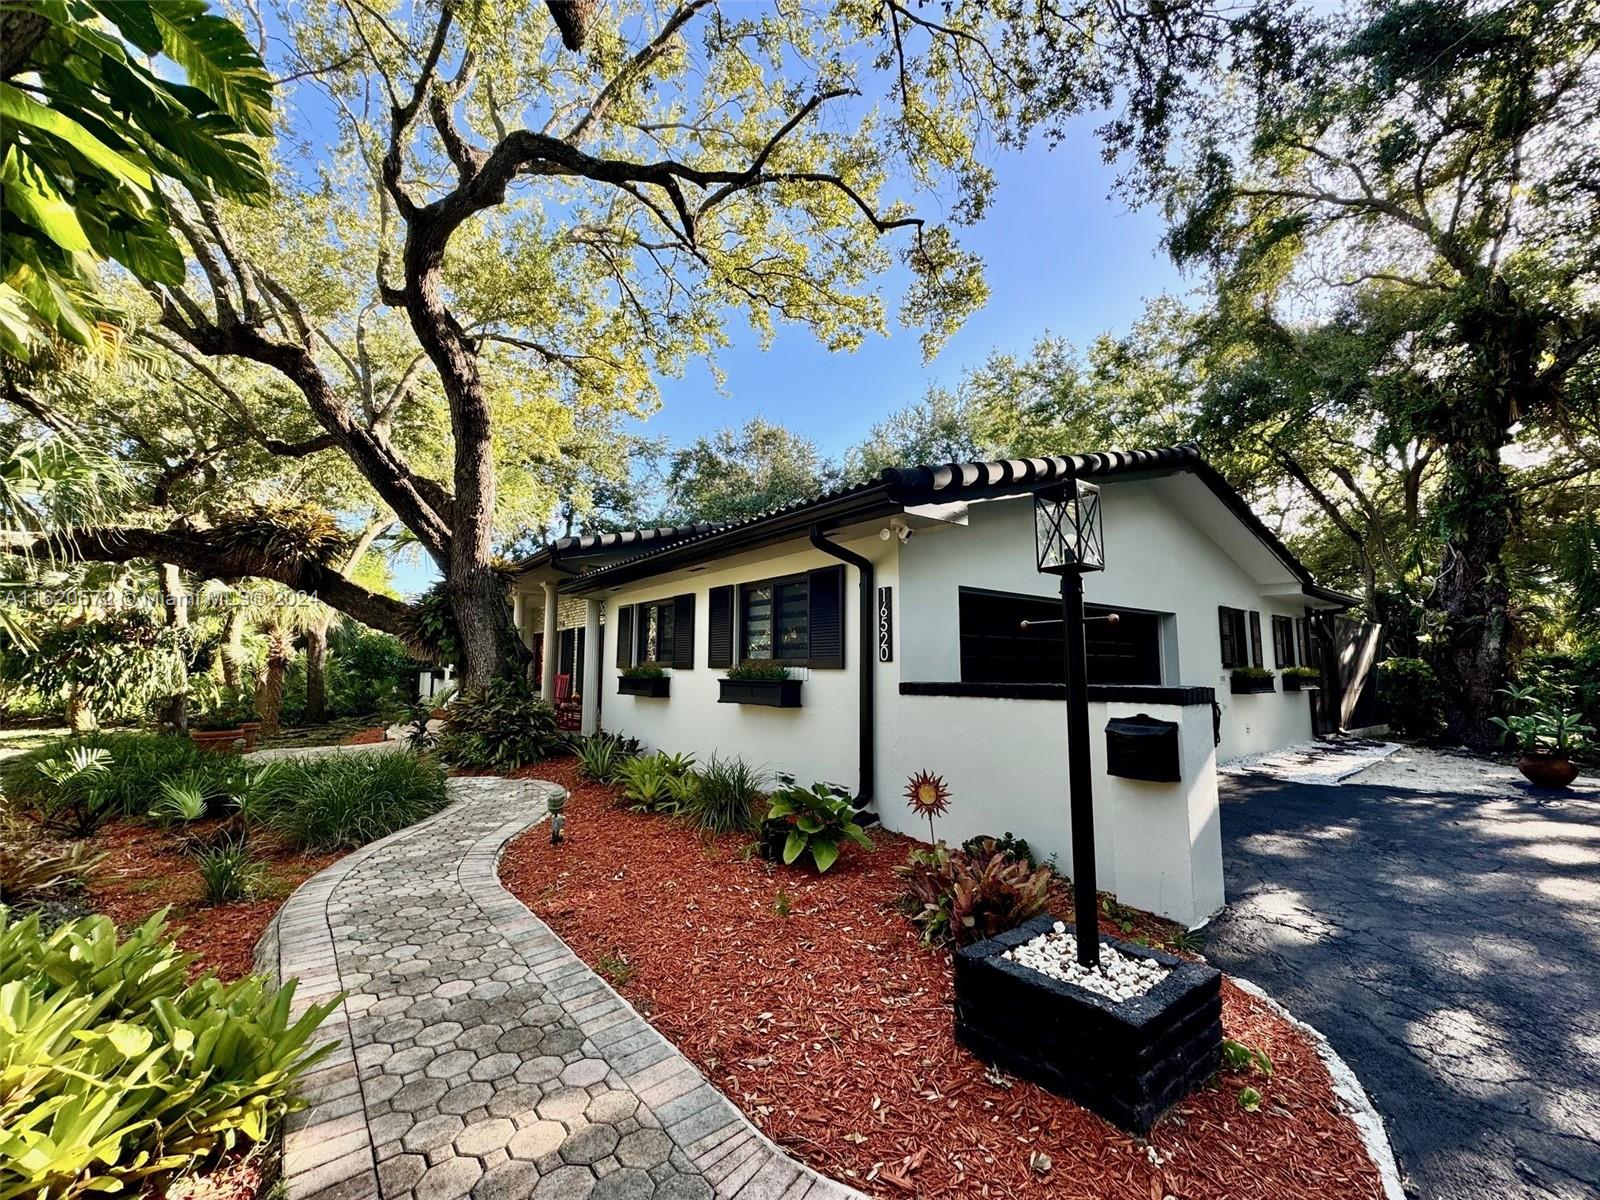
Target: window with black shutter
{"x":1302,"y":629}
{"x":1283,"y":647}
{"x":625,"y":637}
{"x":796,"y":619}
{"x":656,"y":632}
{"x":719,"y":627}
{"x":1255,"y":639}
{"x":1231,"y":631}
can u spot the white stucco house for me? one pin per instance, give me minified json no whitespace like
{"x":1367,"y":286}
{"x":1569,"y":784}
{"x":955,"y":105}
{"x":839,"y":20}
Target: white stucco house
{"x":898,"y":606}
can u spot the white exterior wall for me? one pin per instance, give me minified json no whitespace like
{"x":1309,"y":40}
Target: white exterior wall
{"x":816,"y":741}
{"x":1156,"y":560}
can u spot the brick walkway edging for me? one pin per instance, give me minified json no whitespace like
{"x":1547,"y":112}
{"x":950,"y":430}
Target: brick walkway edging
{"x":328,"y":1148}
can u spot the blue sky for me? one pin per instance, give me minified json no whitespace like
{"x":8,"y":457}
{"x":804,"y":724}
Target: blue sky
{"x":1059,"y":255}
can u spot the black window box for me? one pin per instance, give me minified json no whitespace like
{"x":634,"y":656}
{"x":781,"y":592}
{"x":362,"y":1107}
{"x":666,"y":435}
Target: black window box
{"x":1290,"y":684}
{"x":655,"y":686}
{"x":1128,"y":1061}
{"x":1252,"y":687}
{"x":774,"y":693}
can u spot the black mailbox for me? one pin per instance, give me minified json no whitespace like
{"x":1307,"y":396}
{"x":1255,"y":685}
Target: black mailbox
{"x":1142,"y":747}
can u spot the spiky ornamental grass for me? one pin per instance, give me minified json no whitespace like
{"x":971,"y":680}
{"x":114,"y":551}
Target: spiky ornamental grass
{"x":341,"y":801}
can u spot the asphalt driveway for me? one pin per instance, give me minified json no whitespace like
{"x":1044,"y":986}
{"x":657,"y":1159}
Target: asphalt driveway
{"x":1449,"y":947}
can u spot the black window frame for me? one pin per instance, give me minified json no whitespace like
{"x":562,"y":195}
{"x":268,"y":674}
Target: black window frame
{"x":1040,"y":647}
{"x":742,"y":621}
{"x":665,"y":607}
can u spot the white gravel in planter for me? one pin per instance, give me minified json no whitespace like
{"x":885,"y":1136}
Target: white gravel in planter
{"x":1118,"y":977}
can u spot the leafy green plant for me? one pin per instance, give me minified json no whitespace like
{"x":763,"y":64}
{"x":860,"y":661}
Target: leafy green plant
{"x":1543,"y":729}
{"x":1014,"y":848}
{"x":1240,"y":1057}
{"x":967,"y":895}
{"x":1249,"y":1099}
{"x":818,"y":820}
{"x":725,"y":796}
{"x":758,"y":668}
{"x":104,"y":668}
{"x":116,"y":1073}
{"x":1250,"y":675}
{"x":341,"y":801}
{"x":1412,"y":696}
{"x":1302,"y":675}
{"x":137,"y":764}
{"x":602,"y":755}
{"x":230,"y":872}
{"x":182,"y":800}
{"x":649,"y":784}
{"x":502,"y":727}
{"x":677,"y":764}
{"x":783,"y":903}
{"x":76,"y":800}
{"x":643,"y":671}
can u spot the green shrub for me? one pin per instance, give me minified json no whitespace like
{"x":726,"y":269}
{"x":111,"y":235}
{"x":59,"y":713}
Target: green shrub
{"x":818,"y":820}
{"x":230,"y":872}
{"x":656,"y":783}
{"x":643,"y":671}
{"x":139,"y":762}
{"x":114,"y":666}
{"x":116,"y":1074}
{"x":182,"y":800}
{"x":1251,"y":674}
{"x":369,"y":672}
{"x":602,"y":755}
{"x":75,"y":799}
{"x":1014,"y":848}
{"x":341,"y":801}
{"x":974,"y":893}
{"x":226,"y":710}
{"x":1412,"y":696}
{"x":501,"y":727}
{"x":758,"y":668}
{"x":725,"y":795}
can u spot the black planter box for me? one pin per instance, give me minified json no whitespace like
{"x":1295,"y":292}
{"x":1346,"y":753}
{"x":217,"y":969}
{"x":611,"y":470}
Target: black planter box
{"x":656,"y":686}
{"x":1126,"y":1060}
{"x":774,"y":693}
{"x":1252,"y":687}
{"x":1291,"y":684}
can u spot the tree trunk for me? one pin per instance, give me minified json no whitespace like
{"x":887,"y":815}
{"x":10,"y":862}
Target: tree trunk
{"x":316,"y":673}
{"x":1476,"y":508}
{"x":233,"y":650}
{"x":80,"y":715}
{"x":269,"y":696}
{"x":175,"y":606}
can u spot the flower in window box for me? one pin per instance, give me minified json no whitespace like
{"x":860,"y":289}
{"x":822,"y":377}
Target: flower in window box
{"x":928,"y":796}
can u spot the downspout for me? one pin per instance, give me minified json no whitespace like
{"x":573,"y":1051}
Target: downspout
{"x":865,"y":627}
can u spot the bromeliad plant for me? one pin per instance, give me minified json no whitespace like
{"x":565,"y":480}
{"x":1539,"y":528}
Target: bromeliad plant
{"x":501,"y":727}
{"x":818,"y":820}
{"x":967,"y":895}
{"x":600,"y":757}
{"x":657,"y":783}
{"x":1544,"y":729}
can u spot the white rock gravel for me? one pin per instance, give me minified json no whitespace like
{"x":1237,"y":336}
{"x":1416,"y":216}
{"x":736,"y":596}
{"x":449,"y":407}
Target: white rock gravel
{"x":1119,"y":976}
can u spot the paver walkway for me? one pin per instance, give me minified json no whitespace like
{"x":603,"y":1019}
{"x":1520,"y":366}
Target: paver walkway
{"x":1448,"y":946}
{"x":478,"y":1055}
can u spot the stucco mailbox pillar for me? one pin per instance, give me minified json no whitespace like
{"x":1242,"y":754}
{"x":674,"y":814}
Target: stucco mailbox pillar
{"x":1166,"y":836}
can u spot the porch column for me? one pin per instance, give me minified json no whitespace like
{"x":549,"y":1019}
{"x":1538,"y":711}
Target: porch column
{"x":552,"y":645}
{"x":519,"y":613}
{"x":592,"y":650}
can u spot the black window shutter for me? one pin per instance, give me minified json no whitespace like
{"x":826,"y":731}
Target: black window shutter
{"x":625,"y":636}
{"x":827,"y":617}
{"x":1303,"y":640}
{"x":1230,"y":652}
{"x":720,"y":627}
{"x":683,"y":630}
{"x":1277,"y":641}
{"x":1255,"y":638}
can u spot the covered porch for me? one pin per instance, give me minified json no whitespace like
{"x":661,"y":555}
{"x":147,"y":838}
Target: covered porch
{"x":564,"y":635}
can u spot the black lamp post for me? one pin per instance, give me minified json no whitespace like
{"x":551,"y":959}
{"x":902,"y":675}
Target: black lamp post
{"x":1070,"y":541}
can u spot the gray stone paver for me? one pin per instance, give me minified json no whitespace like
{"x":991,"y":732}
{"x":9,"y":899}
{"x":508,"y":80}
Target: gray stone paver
{"x":477,"y":1055}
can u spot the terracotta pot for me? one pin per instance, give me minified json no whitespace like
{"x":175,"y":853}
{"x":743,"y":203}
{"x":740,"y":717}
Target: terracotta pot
{"x":1547,"y":770}
{"x":251,"y":731}
{"x":220,"y":741}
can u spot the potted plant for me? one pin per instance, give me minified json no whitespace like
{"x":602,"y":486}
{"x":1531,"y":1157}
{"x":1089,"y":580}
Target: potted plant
{"x":1302,"y":679}
{"x":227,"y":724}
{"x":814,"y":820}
{"x":646,"y":679}
{"x":1249,"y":681}
{"x":1546,"y":735}
{"x":759,"y":681}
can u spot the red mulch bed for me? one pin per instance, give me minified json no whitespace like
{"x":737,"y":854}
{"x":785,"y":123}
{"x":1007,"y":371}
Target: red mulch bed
{"x":148,"y":869}
{"x":365,"y":737}
{"x":831,"y":1028}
